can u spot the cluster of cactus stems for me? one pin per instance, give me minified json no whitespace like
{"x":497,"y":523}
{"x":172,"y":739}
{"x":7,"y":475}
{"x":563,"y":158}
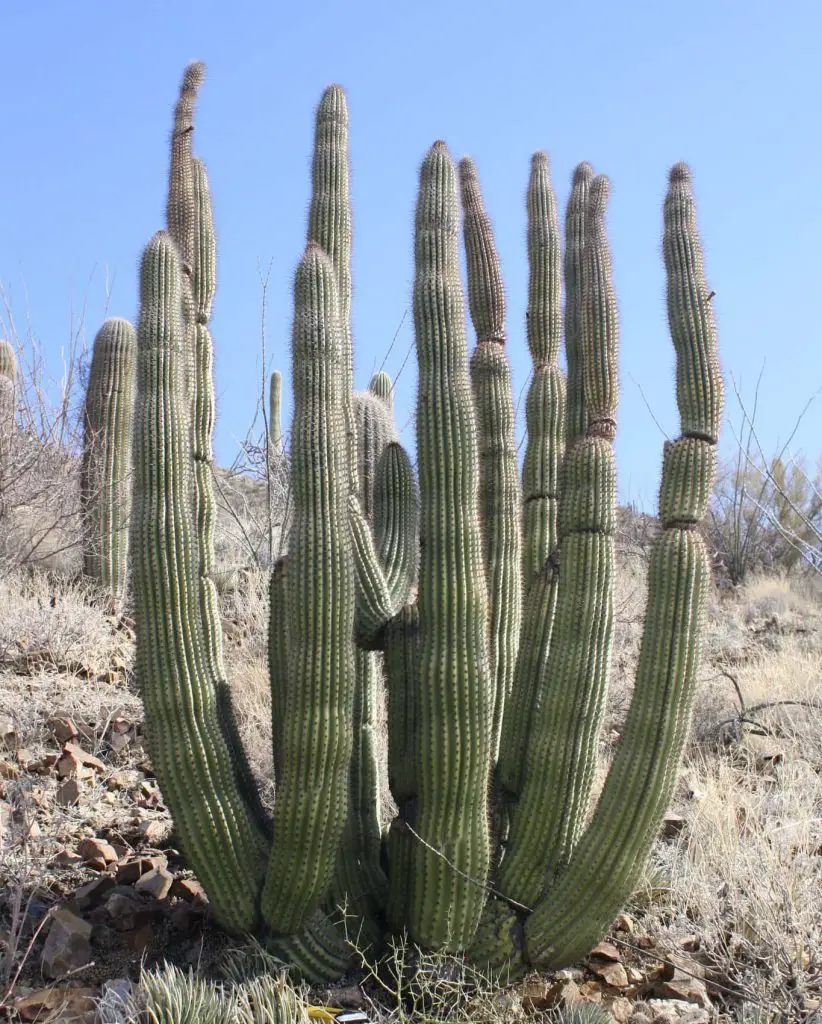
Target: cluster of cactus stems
{"x":106,"y":468}
{"x":485,"y":598}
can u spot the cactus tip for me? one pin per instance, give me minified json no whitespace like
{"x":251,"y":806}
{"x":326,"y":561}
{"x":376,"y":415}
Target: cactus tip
{"x":583,"y":173}
{"x":680,"y":172}
{"x":539,"y":159}
{"x":599,"y":194}
{"x":194,"y":76}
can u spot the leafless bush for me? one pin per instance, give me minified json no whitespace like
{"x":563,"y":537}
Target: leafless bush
{"x":766,"y":511}
{"x":39,"y":477}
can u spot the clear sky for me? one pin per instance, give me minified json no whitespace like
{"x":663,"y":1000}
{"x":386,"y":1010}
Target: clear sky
{"x":732,"y":87}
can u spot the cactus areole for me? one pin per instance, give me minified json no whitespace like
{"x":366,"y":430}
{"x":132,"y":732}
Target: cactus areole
{"x":483,"y":596}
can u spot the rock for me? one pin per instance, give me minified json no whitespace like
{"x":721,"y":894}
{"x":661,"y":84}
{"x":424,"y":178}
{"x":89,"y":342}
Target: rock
{"x":685,"y":988}
{"x":605,"y":951}
{"x":621,"y":1009}
{"x":71,"y":767}
{"x":119,"y":780}
{"x":591,"y":992}
{"x":128,"y":873}
{"x":534,"y":995}
{"x":118,"y":741}
{"x":691,"y":943}
{"x":673,"y":825}
{"x":97,"y":852}
{"x":624,"y":923}
{"x":74,"y":1004}
{"x":66,"y":859}
{"x":140,"y":938}
{"x":675,"y":1011}
{"x":611,"y":973}
{"x":635,"y":976}
{"x":68,"y":945}
{"x":8,"y":733}
{"x":83,"y":757}
{"x":152,"y":831}
{"x":115,"y":996}
{"x":157,"y":882}
{"x":64,"y":729}
{"x":189,"y":889}
{"x":69,"y":793}
{"x":127,"y":911}
{"x":93,"y":893}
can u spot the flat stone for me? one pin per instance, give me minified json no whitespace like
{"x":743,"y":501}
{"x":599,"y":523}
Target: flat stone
{"x":611,"y":973}
{"x":157,"y":882}
{"x":605,"y":951}
{"x":685,"y":988}
{"x":68,"y":945}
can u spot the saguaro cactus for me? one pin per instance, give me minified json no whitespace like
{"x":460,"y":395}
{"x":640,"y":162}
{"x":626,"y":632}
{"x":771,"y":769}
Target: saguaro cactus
{"x":275,"y":421}
{"x":106,"y":469}
{"x":497,"y":670}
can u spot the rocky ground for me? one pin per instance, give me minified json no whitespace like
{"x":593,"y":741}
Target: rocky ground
{"x":92,"y":888}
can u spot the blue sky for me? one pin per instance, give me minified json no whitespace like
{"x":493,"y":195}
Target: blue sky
{"x":732,"y":87}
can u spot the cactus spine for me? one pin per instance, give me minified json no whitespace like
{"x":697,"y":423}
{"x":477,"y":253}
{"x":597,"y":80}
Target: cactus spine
{"x":106,"y":469}
{"x":451,"y":656}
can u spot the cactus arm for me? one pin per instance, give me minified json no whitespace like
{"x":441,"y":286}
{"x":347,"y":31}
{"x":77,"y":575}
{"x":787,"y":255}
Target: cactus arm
{"x":612,"y":852}
{"x":396,"y":521}
{"x":545,"y":408}
{"x":545,"y":420}
{"x":106,"y":467}
{"x":561,"y":755}
{"x":455,"y":690}
{"x":180,"y":203}
{"x":577,"y":418}
{"x":316,"y":740}
{"x":188,"y":751}
{"x":500,"y":497}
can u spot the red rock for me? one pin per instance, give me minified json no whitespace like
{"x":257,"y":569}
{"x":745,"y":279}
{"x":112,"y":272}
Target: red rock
{"x":64,"y":729}
{"x":97,"y":850}
{"x":189,"y":889}
{"x":83,"y":757}
{"x":605,"y":951}
{"x":611,"y":973}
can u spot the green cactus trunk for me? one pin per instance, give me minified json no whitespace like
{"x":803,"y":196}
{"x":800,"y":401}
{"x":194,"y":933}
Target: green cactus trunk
{"x":318,"y":727}
{"x":106,"y":468}
{"x":275,"y":414}
{"x":450,"y":847}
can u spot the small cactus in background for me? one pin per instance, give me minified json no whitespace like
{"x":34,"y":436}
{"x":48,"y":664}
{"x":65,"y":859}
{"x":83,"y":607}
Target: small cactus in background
{"x":106,"y":468}
{"x":8,"y":386}
{"x":275,"y":414}
{"x":497,"y":670}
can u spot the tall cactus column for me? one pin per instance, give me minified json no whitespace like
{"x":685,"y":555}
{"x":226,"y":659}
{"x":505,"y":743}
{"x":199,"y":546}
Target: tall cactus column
{"x":561,"y":755}
{"x":500,"y":497}
{"x":106,"y":468}
{"x":189,"y":753}
{"x":611,"y":854}
{"x":455,"y":691}
{"x":317,"y":732}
